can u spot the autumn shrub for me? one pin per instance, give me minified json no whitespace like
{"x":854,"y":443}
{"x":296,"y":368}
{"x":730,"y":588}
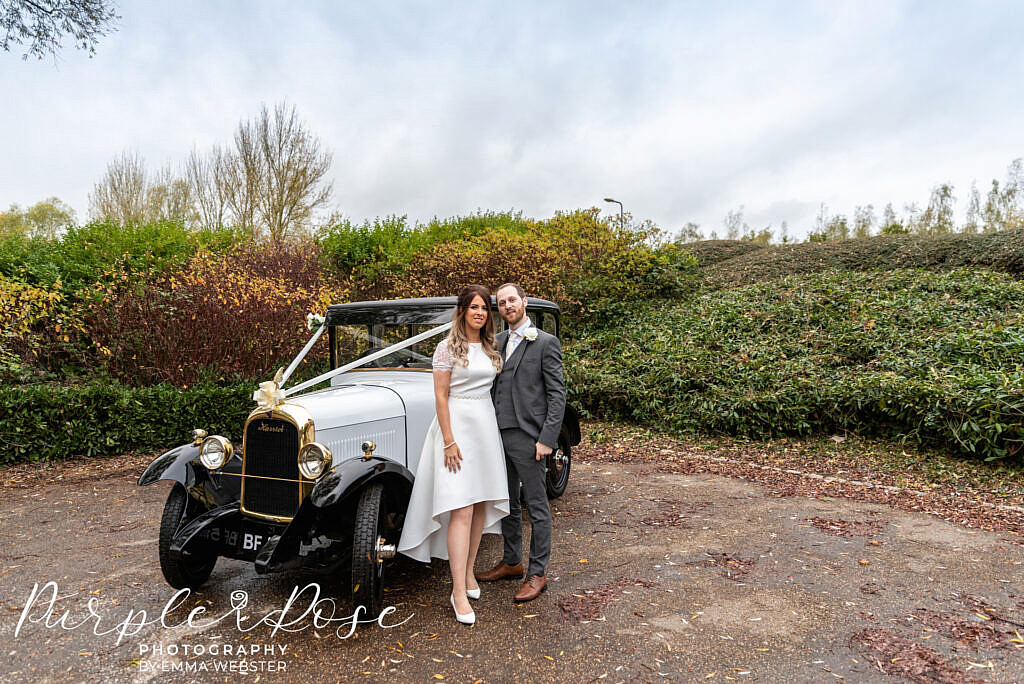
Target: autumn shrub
{"x":929,"y":357}
{"x":102,"y":418}
{"x":383,"y":249}
{"x":1002,"y":251}
{"x":24,"y":309}
{"x":219,"y":316}
{"x":574,"y":259}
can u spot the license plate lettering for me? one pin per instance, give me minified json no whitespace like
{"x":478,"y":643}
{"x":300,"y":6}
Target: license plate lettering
{"x":251,"y":542}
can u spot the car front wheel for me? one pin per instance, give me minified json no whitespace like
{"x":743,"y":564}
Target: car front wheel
{"x":188,"y":570}
{"x":372,"y":544}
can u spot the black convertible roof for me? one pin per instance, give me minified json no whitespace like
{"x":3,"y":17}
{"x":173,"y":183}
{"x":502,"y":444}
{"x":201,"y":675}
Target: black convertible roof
{"x":420,"y":310}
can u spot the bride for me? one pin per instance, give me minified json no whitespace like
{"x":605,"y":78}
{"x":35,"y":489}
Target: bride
{"x":461,"y":488}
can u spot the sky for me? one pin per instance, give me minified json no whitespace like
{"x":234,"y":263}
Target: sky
{"x":683,"y":111}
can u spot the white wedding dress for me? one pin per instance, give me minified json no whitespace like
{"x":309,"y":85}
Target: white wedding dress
{"x":437,"y":491}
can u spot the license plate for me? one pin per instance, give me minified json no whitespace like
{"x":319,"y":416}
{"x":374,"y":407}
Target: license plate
{"x":242,"y":540}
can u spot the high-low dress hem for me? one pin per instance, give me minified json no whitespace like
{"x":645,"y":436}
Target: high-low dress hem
{"x":482,"y":478}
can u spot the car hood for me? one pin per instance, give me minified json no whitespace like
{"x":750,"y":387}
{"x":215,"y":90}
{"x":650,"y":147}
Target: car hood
{"x":350,"y":405}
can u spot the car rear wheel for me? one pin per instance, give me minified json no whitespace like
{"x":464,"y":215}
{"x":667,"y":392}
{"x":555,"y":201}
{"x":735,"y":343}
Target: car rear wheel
{"x":559,"y":462}
{"x":189,"y":570}
{"x":373,"y":543}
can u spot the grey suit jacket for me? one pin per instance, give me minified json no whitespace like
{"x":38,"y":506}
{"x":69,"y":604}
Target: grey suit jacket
{"x":538,"y":390}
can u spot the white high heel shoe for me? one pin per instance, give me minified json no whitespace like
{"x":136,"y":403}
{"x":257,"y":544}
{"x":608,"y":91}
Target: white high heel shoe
{"x":473,"y":593}
{"x":465,"y":618}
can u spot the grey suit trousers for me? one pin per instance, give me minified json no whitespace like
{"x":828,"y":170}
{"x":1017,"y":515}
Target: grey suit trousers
{"x":522,"y":466}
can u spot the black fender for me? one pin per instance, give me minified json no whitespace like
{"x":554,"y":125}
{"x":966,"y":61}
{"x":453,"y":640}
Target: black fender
{"x":326,"y":508}
{"x":181,"y":464}
{"x":175,"y":464}
{"x":190,"y":535}
{"x":571,"y":423}
{"x":352,"y":475}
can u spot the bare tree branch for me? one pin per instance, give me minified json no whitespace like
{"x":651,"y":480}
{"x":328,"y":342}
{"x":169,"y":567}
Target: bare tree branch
{"x":41,"y":25}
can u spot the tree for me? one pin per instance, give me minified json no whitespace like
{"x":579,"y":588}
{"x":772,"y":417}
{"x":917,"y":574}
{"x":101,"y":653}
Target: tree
{"x":912,"y":222}
{"x":209,"y":180}
{"x":992,"y":214}
{"x":169,"y":197}
{"x":937,"y":218}
{"x":828,"y":228}
{"x":972,"y":220}
{"x":690,"y":233}
{"x":245,"y":179}
{"x":784,"y":233}
{"x":890,"y":224}
{"x":1013,"y":195}
{"x":759,"y":237}
{"x":293,"y":166}
{"x":120,"y":196}
{"x":734,"y":224}
{"x":863,"y":221}
{"x":44,"y":219}
{"x":42,"y":24}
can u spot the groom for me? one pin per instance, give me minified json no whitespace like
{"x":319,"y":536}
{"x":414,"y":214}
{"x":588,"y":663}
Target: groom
{"x":529,"y":400}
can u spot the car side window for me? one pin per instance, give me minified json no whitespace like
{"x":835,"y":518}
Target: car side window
{"x":549,"y":324}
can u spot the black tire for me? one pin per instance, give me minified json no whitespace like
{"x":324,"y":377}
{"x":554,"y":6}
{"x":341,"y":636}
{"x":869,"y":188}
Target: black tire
{"x":559,"y":462}
{"x":367,"y":567}
{"x":189,"y":571}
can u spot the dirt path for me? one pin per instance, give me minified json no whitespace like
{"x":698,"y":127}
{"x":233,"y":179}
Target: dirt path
{"x":655,"y":576}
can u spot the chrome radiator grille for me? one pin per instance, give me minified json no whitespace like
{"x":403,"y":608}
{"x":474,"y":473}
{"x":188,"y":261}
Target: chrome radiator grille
{"x":270,"y":471}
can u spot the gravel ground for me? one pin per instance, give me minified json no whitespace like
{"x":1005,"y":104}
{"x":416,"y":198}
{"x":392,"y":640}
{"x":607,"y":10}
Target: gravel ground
{"x":672,"y":561}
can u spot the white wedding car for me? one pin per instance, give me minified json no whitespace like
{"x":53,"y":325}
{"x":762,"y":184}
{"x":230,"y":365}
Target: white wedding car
{"x":322,"y":479}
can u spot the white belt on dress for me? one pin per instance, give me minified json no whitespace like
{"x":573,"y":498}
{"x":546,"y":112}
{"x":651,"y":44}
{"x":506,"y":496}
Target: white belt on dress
{"x":486,"y":395}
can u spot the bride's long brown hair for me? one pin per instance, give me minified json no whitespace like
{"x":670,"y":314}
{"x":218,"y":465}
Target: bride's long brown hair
{"x":458,"y":338}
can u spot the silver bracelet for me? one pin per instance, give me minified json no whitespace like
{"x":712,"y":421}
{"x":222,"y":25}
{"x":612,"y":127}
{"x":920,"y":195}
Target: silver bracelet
{"x":448,"y":445}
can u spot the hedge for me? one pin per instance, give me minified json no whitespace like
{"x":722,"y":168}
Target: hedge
{"x":931,"y":357}
{"x":47,"y":422}
{"x":727,"y":264}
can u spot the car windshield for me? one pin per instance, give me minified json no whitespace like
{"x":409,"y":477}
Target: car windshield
{"x":352,"y":342}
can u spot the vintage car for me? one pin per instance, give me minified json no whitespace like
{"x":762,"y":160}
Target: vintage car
{"x":322,"y":479}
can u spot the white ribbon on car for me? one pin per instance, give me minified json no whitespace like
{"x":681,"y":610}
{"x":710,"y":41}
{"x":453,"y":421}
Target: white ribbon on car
{"x":348,"y":366}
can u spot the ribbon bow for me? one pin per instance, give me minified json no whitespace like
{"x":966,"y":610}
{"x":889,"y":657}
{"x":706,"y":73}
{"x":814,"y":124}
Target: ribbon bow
{"x":269,"y":394}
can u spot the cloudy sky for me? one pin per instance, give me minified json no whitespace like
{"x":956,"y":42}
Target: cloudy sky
{"x":681,"y":110}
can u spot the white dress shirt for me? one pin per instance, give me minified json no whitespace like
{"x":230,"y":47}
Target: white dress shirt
{"x":516,"y":336}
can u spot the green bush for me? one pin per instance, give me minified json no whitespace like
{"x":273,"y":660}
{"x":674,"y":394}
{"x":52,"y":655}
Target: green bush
{"x":96,"y":252}
{"x":732,"y":263}
{"x":49,"y":422}
{"x":936,"y":357}
{"x":385,"y":247}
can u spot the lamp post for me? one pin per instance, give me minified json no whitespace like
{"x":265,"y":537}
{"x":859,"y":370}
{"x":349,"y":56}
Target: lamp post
{"x":622,"y":215}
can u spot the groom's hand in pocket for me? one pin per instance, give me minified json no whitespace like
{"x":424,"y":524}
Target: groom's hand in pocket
{"x":543,"y":450}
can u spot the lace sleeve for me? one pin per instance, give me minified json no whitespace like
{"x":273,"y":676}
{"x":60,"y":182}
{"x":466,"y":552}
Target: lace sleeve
{"x":442,"y":357}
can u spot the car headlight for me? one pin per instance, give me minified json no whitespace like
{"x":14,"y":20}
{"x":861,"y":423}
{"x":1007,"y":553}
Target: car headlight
{"x":314,"y":460}
{"x":215,"y":452}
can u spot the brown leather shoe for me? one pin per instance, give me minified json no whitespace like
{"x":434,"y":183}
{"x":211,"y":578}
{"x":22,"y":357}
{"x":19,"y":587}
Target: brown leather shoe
{"x":531,"y":588}
{"x":501,"y":571}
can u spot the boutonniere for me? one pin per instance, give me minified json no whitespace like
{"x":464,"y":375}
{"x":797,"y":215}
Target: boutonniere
{"x":530,"y":334}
